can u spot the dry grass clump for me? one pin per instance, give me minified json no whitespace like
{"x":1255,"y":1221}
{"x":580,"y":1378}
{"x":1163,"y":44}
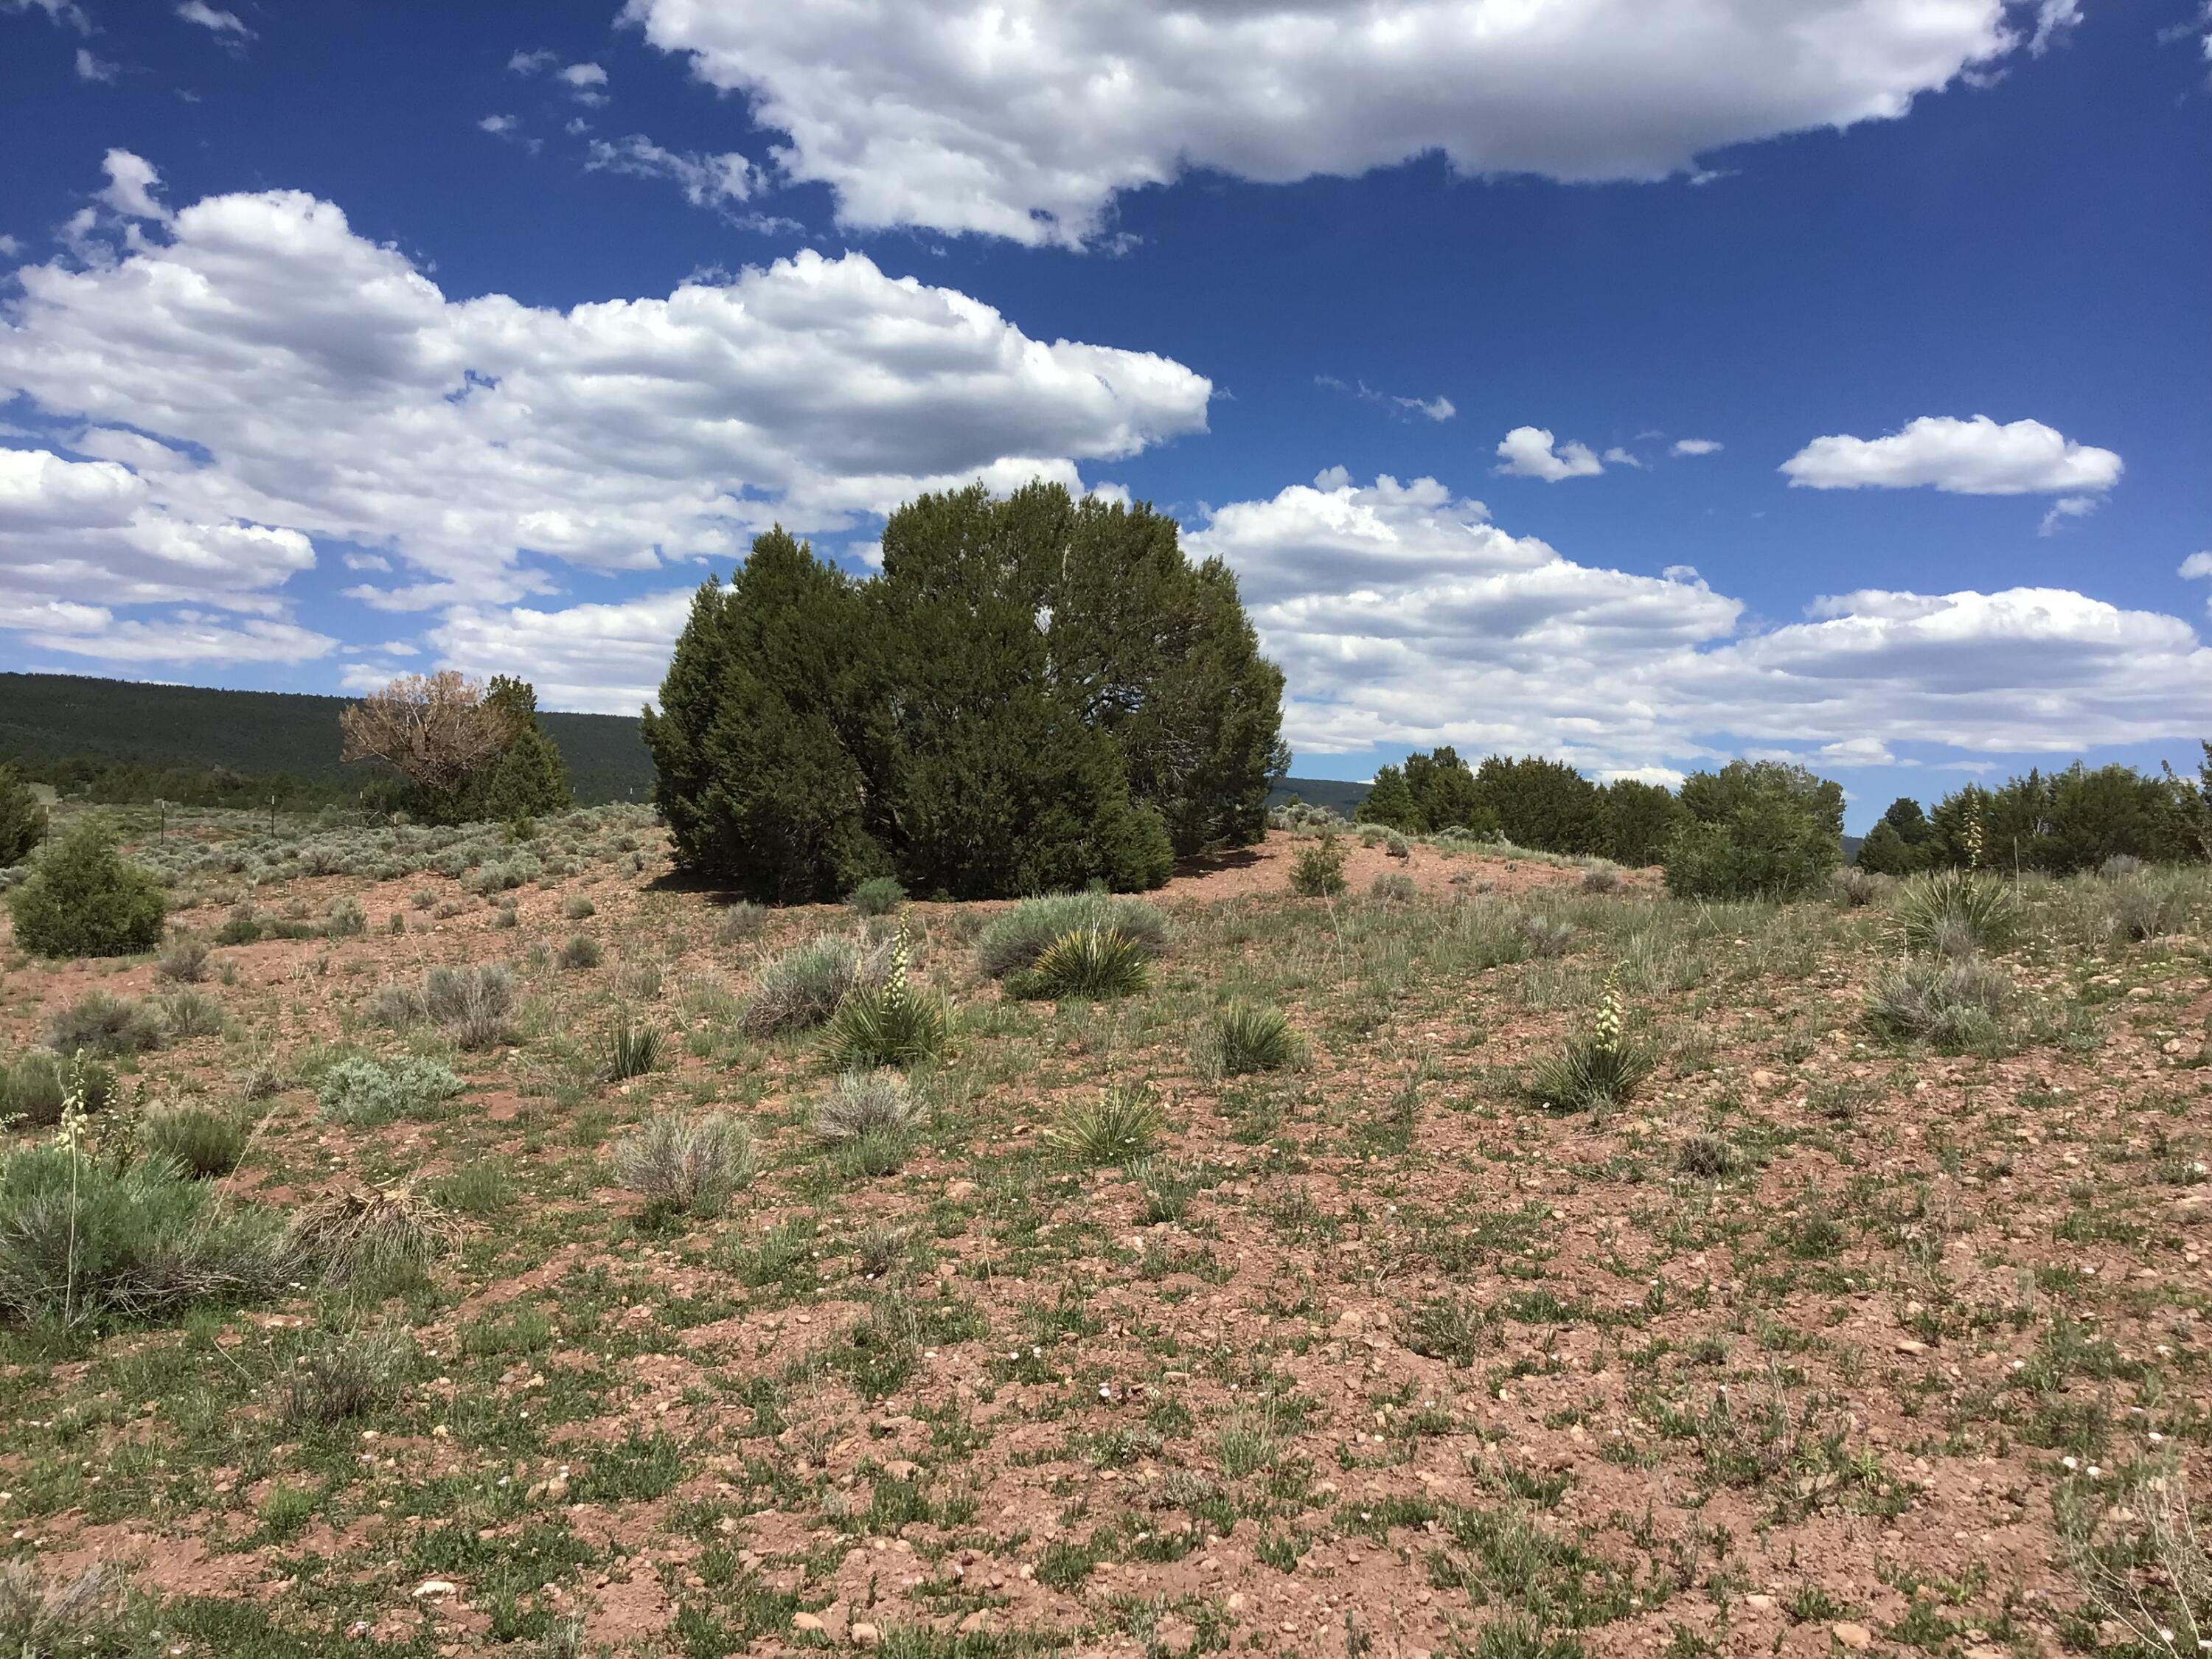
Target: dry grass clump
{"x":87,"y":1617}
{"x":687,"y":1165}
{"x":1245,"y":1037}
{"x":364,"y":1231}
{"x":346,"y":1375}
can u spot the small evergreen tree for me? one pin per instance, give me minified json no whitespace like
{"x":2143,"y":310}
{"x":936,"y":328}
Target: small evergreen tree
{"x":1883,"y":852}
{"x":1444,"y":795}
{"x":529,"y":779}
{"x":1390,"y":802}
{"x":23,"y":818}
{"x":1902,"y":842}
{"x":1759,"y":829}
{"x":1544,"y":805}
{"x":1640,"y":820}
{"x":83,"y":900}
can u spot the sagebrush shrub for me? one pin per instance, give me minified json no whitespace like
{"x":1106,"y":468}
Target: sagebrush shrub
{"x":580,"y":951}
{"x":109,"y":1027}
{"x":83,"y":900}
{"x":1394,"y":887}
{"x":1953,"y":1003}
{"x":802,"y":988}
{"x":878,"y":897}
{"x":198,"y":1139}
{"x":740,"y":922}
{"x":187,"y":1014}
{"x":1013,"y":940}
{"x":185,"y":963}
{"x":472,"y":1003}
{"x":34,"y":1088}
{"x":577,"y":908}
{"x":82,"y":1240}
{"x":860,"y":1104}
{"x":690,"y":1166}
{"x":363,"y":1092}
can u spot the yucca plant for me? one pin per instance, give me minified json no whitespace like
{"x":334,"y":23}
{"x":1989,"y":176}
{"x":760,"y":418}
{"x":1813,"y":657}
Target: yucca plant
{"x":1955,"y":913}
{"x":1119,"y":1125}
{"x":894,"y":1023}
{"x":1602,"y":1067}
{"x":1094,"y":962}
{"x":1245,"y":1037}
{"x":632,"y":1051}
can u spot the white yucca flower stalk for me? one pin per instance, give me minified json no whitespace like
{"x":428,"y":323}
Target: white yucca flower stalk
{"x":895,"y":985}
{"x":1607,"y":1033}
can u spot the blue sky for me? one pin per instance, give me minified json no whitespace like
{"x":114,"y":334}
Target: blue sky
{"x":1870,"y":338}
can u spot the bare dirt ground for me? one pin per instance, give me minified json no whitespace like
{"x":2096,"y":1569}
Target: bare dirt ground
{"x":1811,"y":1343}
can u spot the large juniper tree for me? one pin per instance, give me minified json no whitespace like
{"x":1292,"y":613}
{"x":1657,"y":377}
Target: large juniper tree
{"x":1037,"y":692}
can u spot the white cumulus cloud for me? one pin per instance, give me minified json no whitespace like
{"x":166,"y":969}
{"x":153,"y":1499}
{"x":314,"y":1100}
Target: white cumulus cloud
{"x":1530,"y":452}
{"x":220,"y":22}
{"x":1402,"y":615}
{"x":249,"y":376}
{"x":1024,"y":118}
{"x":1976,"y":457}
{"x":1696,"y":446}
{"x":597,"y":658}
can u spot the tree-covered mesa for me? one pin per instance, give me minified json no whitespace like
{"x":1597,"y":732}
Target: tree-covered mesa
{"x":466,"y":751}
{"x":1036,"y":693}
{"x":2058,"y":821}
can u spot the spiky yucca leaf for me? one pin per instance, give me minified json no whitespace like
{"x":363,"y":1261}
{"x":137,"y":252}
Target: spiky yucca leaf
{"x":1120,"y":1125}
{"x":1092,"y":961}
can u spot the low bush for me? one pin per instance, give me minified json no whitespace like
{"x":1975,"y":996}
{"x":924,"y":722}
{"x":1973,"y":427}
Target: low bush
{"x":878,"y":897}
{"x":740,"y":922}
{"x":1245,"y":1037}
{"x":580,"y":951}
{"x":687,"y":1165}
{"x":22,"y":819}
{"x":1394,"y":887}
{"x":109,"y":1027}
{"x":1543,"y":935}
{"x":83,"y":1241}
{"x":1118,"y":1126}
{"x":802,"y":988}
{"x":577,"y":908}
{"x":1013,"y":940}
{"x":470,"y":1004}
{"x":861,"y":1103}
{"x":362,"y":1091}
{"x":185,"y":963}
{"x":346,"y":1375}
{"x":344,"y":919}
{"x":1318,"y":870}
{"x":1097,"y":963}
{"x":34,"y":1089}
{"x":83,"y":900}
{"x":1855,"y":888}
{"x":198,"y":1139}
{"x":187,"y":1014}
{"x":1951,"y":1003}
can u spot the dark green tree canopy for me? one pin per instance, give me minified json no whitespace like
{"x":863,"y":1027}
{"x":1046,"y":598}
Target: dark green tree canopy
{"x":1037,"y":692}
{"x":83,"y":900}
{"x":1758,"y":828}
{"x":23,"y":818}
{"x":1542,"y":803}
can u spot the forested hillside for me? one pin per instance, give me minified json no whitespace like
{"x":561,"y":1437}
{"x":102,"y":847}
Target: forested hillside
{"x":125,"y":740}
